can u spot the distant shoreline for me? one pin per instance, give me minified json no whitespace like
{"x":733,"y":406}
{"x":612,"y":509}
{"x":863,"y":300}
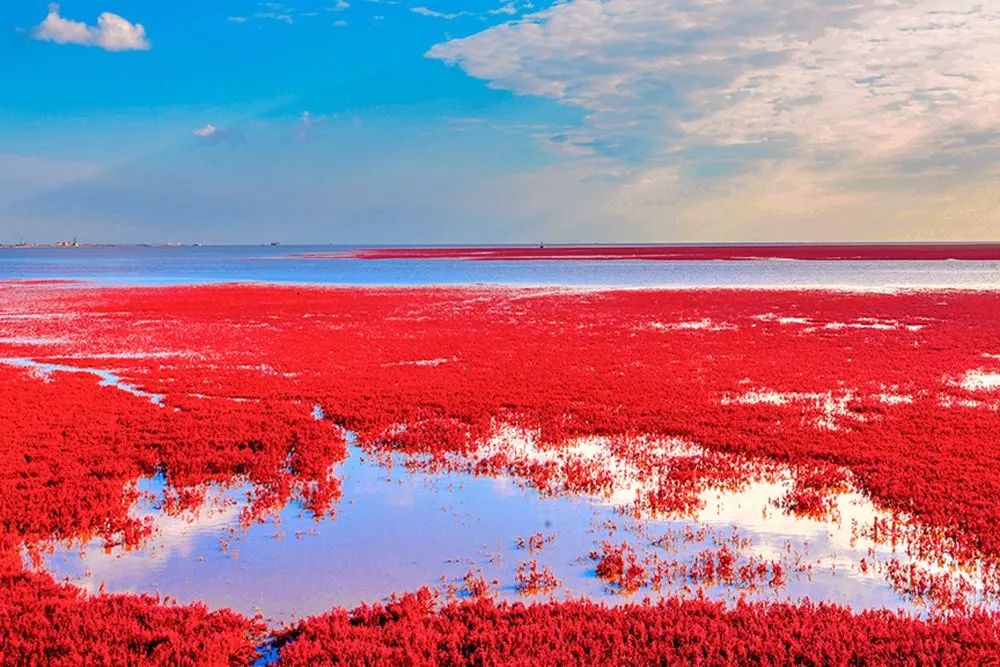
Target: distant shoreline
{"x":78,"y":246}
{"x":862,"y":251}
{"x":680,"y":252}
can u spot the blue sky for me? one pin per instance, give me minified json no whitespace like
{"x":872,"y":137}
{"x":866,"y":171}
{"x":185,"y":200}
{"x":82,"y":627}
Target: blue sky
{"x":585,"y":120}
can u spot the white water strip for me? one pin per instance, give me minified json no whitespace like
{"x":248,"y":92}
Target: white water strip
{"x":106,"y":378}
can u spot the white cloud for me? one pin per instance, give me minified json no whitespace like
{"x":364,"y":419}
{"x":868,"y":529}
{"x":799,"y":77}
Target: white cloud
{"x":275,"y":11}
{"x":212,"y":135}
{"x":425,"y":11}
{"x":112,"y":33}
{"x":275,"y":16}
{"x":594,"y":199}
{"x":892,"y":84}
{"x":869,"y":76}
{"x":769,"y":116}
{"x":508,"y":9}
{"x":205,"y":132}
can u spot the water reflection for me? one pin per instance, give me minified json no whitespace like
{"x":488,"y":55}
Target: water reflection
{"x":397,"y":529}
{"x":105,"y":377}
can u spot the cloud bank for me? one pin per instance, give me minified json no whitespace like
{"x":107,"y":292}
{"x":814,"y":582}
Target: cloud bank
{"x":846,"y":104}
{"x":112,"y":33}
{"x":885,"y":75}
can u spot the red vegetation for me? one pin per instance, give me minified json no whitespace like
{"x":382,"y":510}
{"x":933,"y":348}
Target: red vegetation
{"x":627,"y":569}
{"x":870,"y":384}
{"x":475,"y":584}
{"x":535,"y":542}
{"x":415,"y":631}
{"x":617,"y":564}
{"x":814,"y":490}
{"x":884,"y":251}
{"x":44,"y":623}
{"x":535,"y":580}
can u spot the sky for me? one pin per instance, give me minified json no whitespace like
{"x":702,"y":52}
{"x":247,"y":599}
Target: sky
{"x":487,"y":121}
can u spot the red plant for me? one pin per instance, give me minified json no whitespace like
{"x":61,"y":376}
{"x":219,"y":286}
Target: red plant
{"x":895,"y":391}
{"x":534,"y":580}
{"x":45,"y":623}
{"x":535,"y":542}
{"x":475,"y":584}
{"x":412,"y":630}
{"x":619,"y":565}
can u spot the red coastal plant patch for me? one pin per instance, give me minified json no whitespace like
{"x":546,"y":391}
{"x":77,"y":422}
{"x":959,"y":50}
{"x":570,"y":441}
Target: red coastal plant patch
{"x":897,"y":392}
{"x":44,"y":623}
{"x":884,"y":251}
{"x":871,"y":383}
{"x":413,"y":630}
{"x":533,"y":579}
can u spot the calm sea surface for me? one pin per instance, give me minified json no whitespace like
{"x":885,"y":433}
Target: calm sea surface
{"x":190,"y":265}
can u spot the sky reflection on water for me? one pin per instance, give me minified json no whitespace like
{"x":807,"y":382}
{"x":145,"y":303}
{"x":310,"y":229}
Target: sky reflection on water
{"x":398,"y":530}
